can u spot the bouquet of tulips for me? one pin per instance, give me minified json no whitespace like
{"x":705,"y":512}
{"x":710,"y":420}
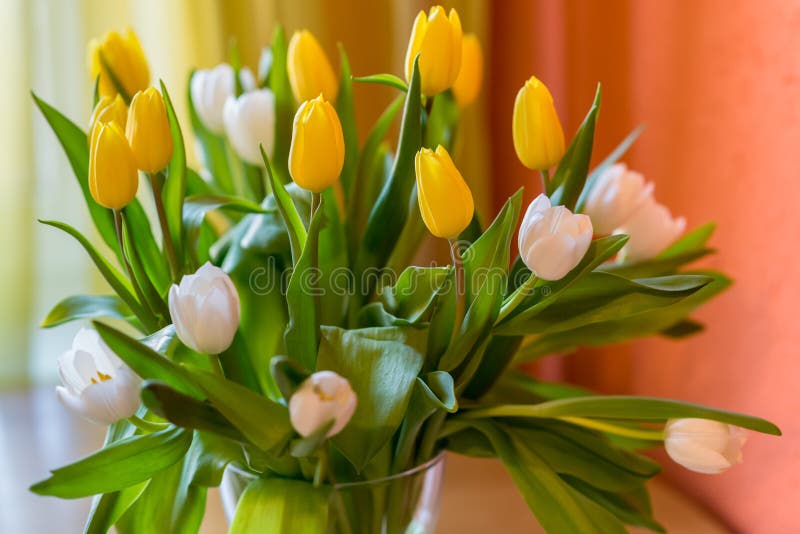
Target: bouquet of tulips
{"x":266,"y":326}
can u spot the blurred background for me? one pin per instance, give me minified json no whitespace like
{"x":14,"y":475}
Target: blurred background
{"x":717,"y":82}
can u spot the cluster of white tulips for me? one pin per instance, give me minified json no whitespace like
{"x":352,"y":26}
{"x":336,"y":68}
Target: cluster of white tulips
{"x":205,"y":312}
{"x":248,"y":120}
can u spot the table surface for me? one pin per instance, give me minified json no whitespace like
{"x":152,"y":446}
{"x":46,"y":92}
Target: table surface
{"x":38,"y":434}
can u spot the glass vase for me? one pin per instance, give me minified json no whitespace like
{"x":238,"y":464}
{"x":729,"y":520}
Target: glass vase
{"x":405,"y":503}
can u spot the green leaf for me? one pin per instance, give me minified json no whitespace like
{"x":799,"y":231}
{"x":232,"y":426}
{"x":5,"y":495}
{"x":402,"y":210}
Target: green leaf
{"x":281,"y":506}
{"x":618,"y":330}
{"x":632,"y":507}
{"x":683,"y":329}
{"x":345,"y":108}
{"x":175,"y":185}
{"x":369,"y":176}
{"x":186,"y":412}
{"x":155,"y":262}
{"x":109,"y":507}
{"x":284,"y":105}
{"x":288,"y":375}
{"x":414,"y":293}
{"x":302,"y":333}
{"x":388,"y":215}
{"x":288,"y":211}
{"x":76,"y":147}
{"x":118,"y":466}
{"x":145,"y":362}
{"x":626,"y":407}
{"x":601,"y":297}
{"x":485,"y":273}
{"x":264,"y":422}
{"x":610,"y":160}
{"x":306,"y":446}
{"x":693,"y":241}
{"x":385,"y":79}
{"x":117,"y":282}
{"x":382,"y":368}
{"x":86,"y":307}
{"x":570,"y":177}
{"x":196,"y":207}
{"x":555,"y":504}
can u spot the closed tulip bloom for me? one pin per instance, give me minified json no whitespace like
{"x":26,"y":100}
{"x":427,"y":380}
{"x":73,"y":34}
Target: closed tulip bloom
{"x":445,"y":200}
{"x":96,"y":384}
{"x":322,"y":397}
{"x":436,"y":37}
{"x":617,"y":193}
{"x":209,"y":89}
{"x":552,"y":239}
{"x":113,"y":176}
{"x":651,"y":228}
{"x":148,"y":131}
{"x":121,"y":58}
{"x":468,"y":83}
{"x":310,"y":72}
{"x":250,"y":122}
{"x":538,"y":137}
{"x":108,"y":109}
{"x":316,"y":156}
{"x":704,"y":446}
{"x":205,"y":310}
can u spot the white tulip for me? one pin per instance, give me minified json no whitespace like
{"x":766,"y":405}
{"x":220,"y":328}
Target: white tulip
{"x":322,"y":397}
{"x":553,"y":240}
{"x":703,"y":445}
{"x":617,"y":193}
{"x":95,"y":383}
{"x":210,"y":88}
{"x":249,"y":122}
{"x":205,"y":310}
{"x":651,"y":229}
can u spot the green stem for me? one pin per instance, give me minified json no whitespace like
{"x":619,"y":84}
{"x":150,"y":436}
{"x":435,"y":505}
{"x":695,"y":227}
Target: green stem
{"x":545,"y":181}
{"x":216,"y":366}
{"x":455,"y":256}
{"x":322,"y":467}
{"x":157,"y":182}
{"x":149,"y":312}
{"x":648,"y":435}
{"x":146,"y":426}
{"x":514,"y":300}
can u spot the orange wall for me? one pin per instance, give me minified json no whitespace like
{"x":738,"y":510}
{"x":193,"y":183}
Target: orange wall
{"x":718,"y":84}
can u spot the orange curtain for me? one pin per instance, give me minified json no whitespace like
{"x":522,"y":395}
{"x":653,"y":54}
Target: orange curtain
{"x":718,"y":84}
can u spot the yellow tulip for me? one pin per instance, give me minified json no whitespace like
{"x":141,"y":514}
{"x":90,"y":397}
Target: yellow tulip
{"x":445,"y":200}
{"x":468,"y":83}
{"x":310,"y":72}
{"x":119,"y":58}
{"x":113,"y":179}
{"x":108,"y":109}
{"x":148,"y":131}
{"x":316,"y":156}
{"x":538,"y":137}
{"x":437,"y":39}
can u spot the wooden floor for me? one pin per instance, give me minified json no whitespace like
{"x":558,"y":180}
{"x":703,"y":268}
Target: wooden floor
{"x":37,"y":434}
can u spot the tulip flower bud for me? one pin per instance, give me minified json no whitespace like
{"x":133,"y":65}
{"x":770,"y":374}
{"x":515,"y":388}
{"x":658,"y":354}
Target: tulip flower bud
{"x":468,"y":83}
{"x":119,"y":61}
{"x":250,"y":122}
{"x":538,"y":137}
{"x":310,"y":72}
{"x":95,"y":382}
{"x":651,"y":228}
{"x":148,"y":131}
{"x":704,"y":446}
{"x":108,"y":109}
{"x":617,"y":193}
{"x":445,"y":200}
{"x":209,"y":90}
{"x":436,"y":37}
{"x":205,"y":310}
{"x":113,"y":179}
{"x":316,"y":156}
{"x":553,"y":240}
{"x":322,"y":397}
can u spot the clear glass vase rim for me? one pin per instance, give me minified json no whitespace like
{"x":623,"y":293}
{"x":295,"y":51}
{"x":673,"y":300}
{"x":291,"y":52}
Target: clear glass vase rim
{"x":361,"y":483}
